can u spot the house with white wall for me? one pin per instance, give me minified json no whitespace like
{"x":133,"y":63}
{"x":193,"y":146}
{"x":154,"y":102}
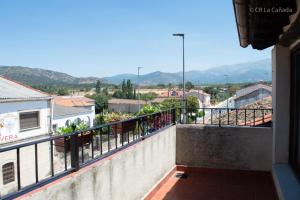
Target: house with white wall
{"x":204,"y":98}
{"x":69,"y":109}
{"x":252,"y":94}
{"x":25,"y":112}
{"x":66,"y":115}
{"x":25,"y":115}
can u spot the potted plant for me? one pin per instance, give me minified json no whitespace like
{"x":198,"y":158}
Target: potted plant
{"x":64,"y":142}
{"x":123,"y":127}
{"x":155,"y":120}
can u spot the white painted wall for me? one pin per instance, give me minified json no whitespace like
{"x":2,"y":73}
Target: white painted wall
{"x":10,"y":123}
{"x":27,"y":166}
{"x":61,"y":122}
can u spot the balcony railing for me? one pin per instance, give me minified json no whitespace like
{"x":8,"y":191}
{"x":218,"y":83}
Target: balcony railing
{"x":83,"y":147}
{"x":225,"y":116}
{"x":69,"y":153}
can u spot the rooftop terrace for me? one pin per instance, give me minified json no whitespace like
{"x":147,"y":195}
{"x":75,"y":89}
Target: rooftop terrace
{"x":138,"y":159}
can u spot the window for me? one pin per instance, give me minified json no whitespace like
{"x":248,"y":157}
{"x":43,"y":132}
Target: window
{"x":29,"y":120}
{"x":295,"y":111}
{"x":8,"y":173}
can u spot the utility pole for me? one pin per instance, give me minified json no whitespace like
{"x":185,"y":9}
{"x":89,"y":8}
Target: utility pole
{"x":139,"y":96}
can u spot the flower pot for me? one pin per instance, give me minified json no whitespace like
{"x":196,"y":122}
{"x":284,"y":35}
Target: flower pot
{"x":124,"y":127}
{"x":60,"y":144}
{"x":82,"y":139}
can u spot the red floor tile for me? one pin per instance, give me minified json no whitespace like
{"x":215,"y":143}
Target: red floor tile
{"x":212,"y":184}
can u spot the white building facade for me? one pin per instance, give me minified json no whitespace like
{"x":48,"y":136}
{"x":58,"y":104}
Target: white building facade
{"x":25,"y":115}
{"x":65,"y":116}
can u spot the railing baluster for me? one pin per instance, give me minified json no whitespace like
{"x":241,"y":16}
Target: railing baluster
{"x":116,"y":139}
{"x":227,"y":116}
{"x":203,"y":115}
{"x":101,"y":145}
{"x":263,"y":116}
{"x":180,"y":116}
{"x":133,"y":132}
{"x":82,"y":150}
{"x":219,"y":117}
{"x":92,"y":143}
{"x":236,"y":117}
{"x":139,"y":129}
{"x":211,"y":118}
{"x":51,"y":158}
{"x":108,"y":138}
{"x":254,"y":117}
{"x":65,"y":153}
{"x":147,"y":126}
{"x":245,"y":118}
{"x":18,"y":169}
{"x":36,"y":163}
{"x":128,"y":137}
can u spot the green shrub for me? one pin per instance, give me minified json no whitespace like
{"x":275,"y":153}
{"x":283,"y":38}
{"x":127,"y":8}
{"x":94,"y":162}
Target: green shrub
{"x":149,"y":109}
{"x":72,"y":128}
{"x":201,"y":113}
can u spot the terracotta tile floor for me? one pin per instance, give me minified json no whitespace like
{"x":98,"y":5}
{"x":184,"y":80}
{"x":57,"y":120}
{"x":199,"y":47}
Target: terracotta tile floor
{"x":212,"y":184}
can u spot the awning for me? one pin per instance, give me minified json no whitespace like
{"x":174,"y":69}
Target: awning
{"x":260,"y":22}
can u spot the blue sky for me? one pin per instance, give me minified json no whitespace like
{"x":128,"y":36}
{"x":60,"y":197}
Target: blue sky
{"x":107,"y":37}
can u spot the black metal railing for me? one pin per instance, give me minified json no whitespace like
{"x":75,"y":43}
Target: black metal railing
{"x":225,"y":116}
{"x":68,"y":153}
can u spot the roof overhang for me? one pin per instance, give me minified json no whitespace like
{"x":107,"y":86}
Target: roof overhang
{"x":7,"y":100}
{"x":260,"y":22}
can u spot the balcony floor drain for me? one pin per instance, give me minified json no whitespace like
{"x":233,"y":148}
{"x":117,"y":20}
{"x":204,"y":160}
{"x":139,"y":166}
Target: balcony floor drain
{"x":181,"y":175}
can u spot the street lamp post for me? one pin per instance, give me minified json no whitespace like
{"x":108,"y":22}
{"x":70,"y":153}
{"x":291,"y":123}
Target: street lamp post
{"x":183,"y":74}
{"x":138,"y":92}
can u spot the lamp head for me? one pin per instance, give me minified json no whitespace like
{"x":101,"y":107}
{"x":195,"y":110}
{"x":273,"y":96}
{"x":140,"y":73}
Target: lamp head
{"x":179,"y":34}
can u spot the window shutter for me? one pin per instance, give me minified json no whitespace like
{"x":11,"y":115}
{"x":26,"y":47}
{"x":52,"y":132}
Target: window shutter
{"x":29,"y":120}
{"x":8,"y":173}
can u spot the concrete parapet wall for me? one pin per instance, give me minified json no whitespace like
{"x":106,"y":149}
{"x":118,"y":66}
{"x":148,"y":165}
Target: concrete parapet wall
{"x":128,"y":174}
{"x":245,"y":148}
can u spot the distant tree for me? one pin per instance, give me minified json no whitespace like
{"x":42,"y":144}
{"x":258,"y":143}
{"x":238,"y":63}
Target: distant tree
{"x":129,"y":88}
{"x":134,"y":94}
{"x":192,"y":104}
{"x":118,"y":94}
{"x":98,"y":87}
{"x":161,"y":85}
{"x":105,"y":91}
{"x":62,"y":91}
{"x":149,"y":96}
{"x":124,"y":89}
{"x":171,"y":103}
{"x":233,"y":88}
{"x":189,"y":85}
{"x":101,"y":102}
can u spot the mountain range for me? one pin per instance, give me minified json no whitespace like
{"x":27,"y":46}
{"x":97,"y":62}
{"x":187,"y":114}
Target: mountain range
{"x":36,"y":76}
{"x":237,"y":73}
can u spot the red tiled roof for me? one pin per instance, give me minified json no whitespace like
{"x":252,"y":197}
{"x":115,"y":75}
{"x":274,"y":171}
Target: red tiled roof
{"x":73,"y":101}
{"x":258,"y":121}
